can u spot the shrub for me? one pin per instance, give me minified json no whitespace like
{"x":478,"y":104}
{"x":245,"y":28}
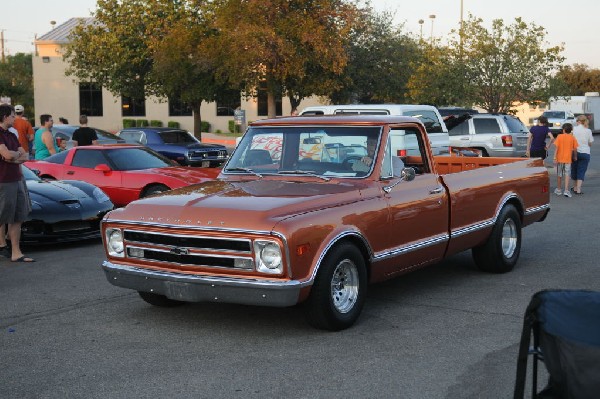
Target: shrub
{"x":141,"y":122}
{"x":204,"y":126}
{"x":156,"y":123}
{"x":233,"y":128}
{"x":173,"y":124}
{"x":128,"y":123}
{"x":219,"y":131}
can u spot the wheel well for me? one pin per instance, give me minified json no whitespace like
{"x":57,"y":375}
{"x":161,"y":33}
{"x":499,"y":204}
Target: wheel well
{"x":151,"y":186}
{"x":48,"y":177}
{"x":362,"y":247}
{"x":518,"y":205}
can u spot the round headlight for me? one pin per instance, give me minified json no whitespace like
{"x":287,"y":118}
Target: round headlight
{"x":115,"y":242}
{"x":271,"y":256}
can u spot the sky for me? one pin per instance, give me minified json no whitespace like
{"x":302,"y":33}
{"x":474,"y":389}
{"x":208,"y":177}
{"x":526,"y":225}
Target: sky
{"x":573,"y":23}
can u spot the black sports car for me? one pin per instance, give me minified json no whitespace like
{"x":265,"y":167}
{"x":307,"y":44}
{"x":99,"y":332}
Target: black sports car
{"x":66,"y":210}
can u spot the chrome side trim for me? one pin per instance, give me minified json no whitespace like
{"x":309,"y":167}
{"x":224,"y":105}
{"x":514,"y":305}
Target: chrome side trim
{"x":413,"y":247}
{"x":486,"y":223}
{"x":536,"y":209}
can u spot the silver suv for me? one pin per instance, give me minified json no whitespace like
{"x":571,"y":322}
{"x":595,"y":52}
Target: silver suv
{"x":494,"y":135}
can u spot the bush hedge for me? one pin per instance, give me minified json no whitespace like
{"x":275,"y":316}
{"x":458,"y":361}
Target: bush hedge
{"x":233,"y":128}
{"x":128,"y":123}
{"x":204,"y":126}
{"x":156,"y":123}
{"x":173,"y":124}
{"x":141,"y":122}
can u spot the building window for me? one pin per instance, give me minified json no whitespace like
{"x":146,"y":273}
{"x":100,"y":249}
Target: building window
{"x":179,"y":108}
{"x":90,"y":99}
{"x":263,"y":106}
{"x":133,"y":106}
{"x":227,"y":102}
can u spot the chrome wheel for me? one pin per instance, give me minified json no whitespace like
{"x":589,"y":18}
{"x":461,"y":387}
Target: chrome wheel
{"x":509,"y":238}
{"x":344,"y":286}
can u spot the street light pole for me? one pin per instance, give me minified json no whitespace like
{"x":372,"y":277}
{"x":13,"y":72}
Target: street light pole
{"x":421,"y":22}
{"x":432,"y":17}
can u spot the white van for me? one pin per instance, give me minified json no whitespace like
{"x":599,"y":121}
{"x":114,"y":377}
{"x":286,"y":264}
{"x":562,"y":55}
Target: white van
{"x":429,"y":115}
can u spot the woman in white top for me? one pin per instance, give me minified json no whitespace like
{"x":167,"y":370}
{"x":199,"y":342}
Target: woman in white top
{"x":584,"y":137}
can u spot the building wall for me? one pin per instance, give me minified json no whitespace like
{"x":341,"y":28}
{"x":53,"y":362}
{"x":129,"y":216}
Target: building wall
{"x":58,"y":95}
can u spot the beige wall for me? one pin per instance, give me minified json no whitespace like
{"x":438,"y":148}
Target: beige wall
{"x":58,"y":95}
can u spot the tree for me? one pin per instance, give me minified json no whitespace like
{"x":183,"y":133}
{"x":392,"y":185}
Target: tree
{"x":282,"y":43}
{"x":504,"y":65}
{"x":380,"y":61}
{"x":137,"y":48}
{"x":580,"y":79}
{"x":16,"y":80}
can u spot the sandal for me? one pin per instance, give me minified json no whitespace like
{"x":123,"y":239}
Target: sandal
{"x":25,"y":259}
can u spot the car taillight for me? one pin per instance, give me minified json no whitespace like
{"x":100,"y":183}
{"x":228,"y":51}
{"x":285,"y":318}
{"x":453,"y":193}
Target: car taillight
{"x":507,"y":141}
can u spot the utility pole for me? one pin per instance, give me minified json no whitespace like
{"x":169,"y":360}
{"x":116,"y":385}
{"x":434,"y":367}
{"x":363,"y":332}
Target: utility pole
{"x":2,"y":44}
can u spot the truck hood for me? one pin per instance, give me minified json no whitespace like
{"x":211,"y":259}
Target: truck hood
{"x":246,"y":205}
{"x":196,"y":146}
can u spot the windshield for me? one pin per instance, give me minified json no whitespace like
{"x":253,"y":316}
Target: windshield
{"x":554,"y":114}
{"x":340,"y":151}
{"x":136,"y":159}
{"x":177,"y":137}
{"x":28,"y":173}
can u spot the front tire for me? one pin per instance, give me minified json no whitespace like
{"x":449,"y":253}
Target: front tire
{"x":338,"y":293}
{"x":159,"y":300}
{"x":499,"y":254}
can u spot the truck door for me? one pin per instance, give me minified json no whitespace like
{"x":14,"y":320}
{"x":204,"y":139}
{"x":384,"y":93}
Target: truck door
{"x":417,"y":232}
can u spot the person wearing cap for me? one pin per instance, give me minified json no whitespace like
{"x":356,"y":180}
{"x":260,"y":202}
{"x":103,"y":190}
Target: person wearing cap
{"x":584,"y":137}
{"x":23,"y":127}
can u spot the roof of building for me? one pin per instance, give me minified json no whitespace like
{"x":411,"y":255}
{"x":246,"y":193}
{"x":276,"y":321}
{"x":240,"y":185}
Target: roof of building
{"x":60,"y":34}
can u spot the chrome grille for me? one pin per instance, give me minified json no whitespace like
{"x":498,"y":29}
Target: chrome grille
{"x":189,"y":250}
{"x":201,"y":243}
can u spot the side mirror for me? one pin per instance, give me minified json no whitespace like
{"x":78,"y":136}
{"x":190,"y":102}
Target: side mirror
{"x":104,"y":168}
{"x":408,"y":174}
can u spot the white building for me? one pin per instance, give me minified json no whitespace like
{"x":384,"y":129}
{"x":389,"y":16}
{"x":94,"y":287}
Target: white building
{"x":63,"y":96}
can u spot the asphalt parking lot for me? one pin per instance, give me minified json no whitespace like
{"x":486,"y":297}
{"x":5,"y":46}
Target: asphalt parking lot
{"x":447,"y":331}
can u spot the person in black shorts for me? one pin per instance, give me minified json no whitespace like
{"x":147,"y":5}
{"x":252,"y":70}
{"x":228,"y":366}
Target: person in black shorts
{"x":84,"y":135}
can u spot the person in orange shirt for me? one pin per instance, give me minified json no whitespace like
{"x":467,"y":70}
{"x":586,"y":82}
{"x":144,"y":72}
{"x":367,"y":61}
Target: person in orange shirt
{"x":23,"y":127}
{"x":566,"y":145}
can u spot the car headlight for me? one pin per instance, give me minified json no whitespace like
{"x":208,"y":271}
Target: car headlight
{"x":114,"y":242}
{"x":100,"y":195}
{"x":268,"y":257}
{"x":556,"y":123}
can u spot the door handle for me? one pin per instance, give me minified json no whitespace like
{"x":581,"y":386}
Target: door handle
{"x":70,"y":172}
{"x":465,"y":138}
{"x":437,"y":190}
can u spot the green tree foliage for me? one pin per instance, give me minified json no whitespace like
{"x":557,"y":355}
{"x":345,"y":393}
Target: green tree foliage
{"x":504,"y":65}
{"x":144,"y":47}
{"x":287,"y":44}
{"x":579,"y":79}
{"x":16,"y":80}
{"x":380,"y":61}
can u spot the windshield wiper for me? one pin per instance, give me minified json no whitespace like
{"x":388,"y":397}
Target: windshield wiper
{"x":247,"y":170}
{"x":302,"y":172}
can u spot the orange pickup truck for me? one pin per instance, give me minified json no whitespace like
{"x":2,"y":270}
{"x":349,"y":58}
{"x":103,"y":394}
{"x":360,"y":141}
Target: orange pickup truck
{"x":279,"y":228}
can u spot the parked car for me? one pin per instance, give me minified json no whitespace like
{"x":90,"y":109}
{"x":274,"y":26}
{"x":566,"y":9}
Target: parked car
{"x":494,"y":135}
{"x":65,"y":132}
{"x":65,"y":210}
{"x":556,"y":119}
{"x":125,"y":172}
{"x":456,"y":111}
{"x":178,"y":145}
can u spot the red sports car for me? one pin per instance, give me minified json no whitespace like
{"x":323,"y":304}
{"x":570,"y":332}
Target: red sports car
{"x":125,"y":172}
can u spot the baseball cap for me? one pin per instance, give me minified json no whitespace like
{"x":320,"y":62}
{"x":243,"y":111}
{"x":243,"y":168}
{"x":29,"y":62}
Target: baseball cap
{"x":19,"y":108}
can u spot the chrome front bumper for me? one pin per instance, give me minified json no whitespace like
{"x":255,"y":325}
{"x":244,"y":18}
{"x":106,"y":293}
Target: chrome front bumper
{"x":194,"y":288}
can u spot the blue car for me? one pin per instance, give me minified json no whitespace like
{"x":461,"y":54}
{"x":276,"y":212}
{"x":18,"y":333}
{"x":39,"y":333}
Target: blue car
{"x":177,"y":144}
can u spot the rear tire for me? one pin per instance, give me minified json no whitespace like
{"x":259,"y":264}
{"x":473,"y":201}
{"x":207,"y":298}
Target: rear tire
{"x":159,"y":300}
{"x":154,"y":189}
{"x":499,"y":254}
{"x":338,"y":293}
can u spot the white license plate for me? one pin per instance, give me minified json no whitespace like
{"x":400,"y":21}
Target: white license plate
{"x":205,"y":164}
